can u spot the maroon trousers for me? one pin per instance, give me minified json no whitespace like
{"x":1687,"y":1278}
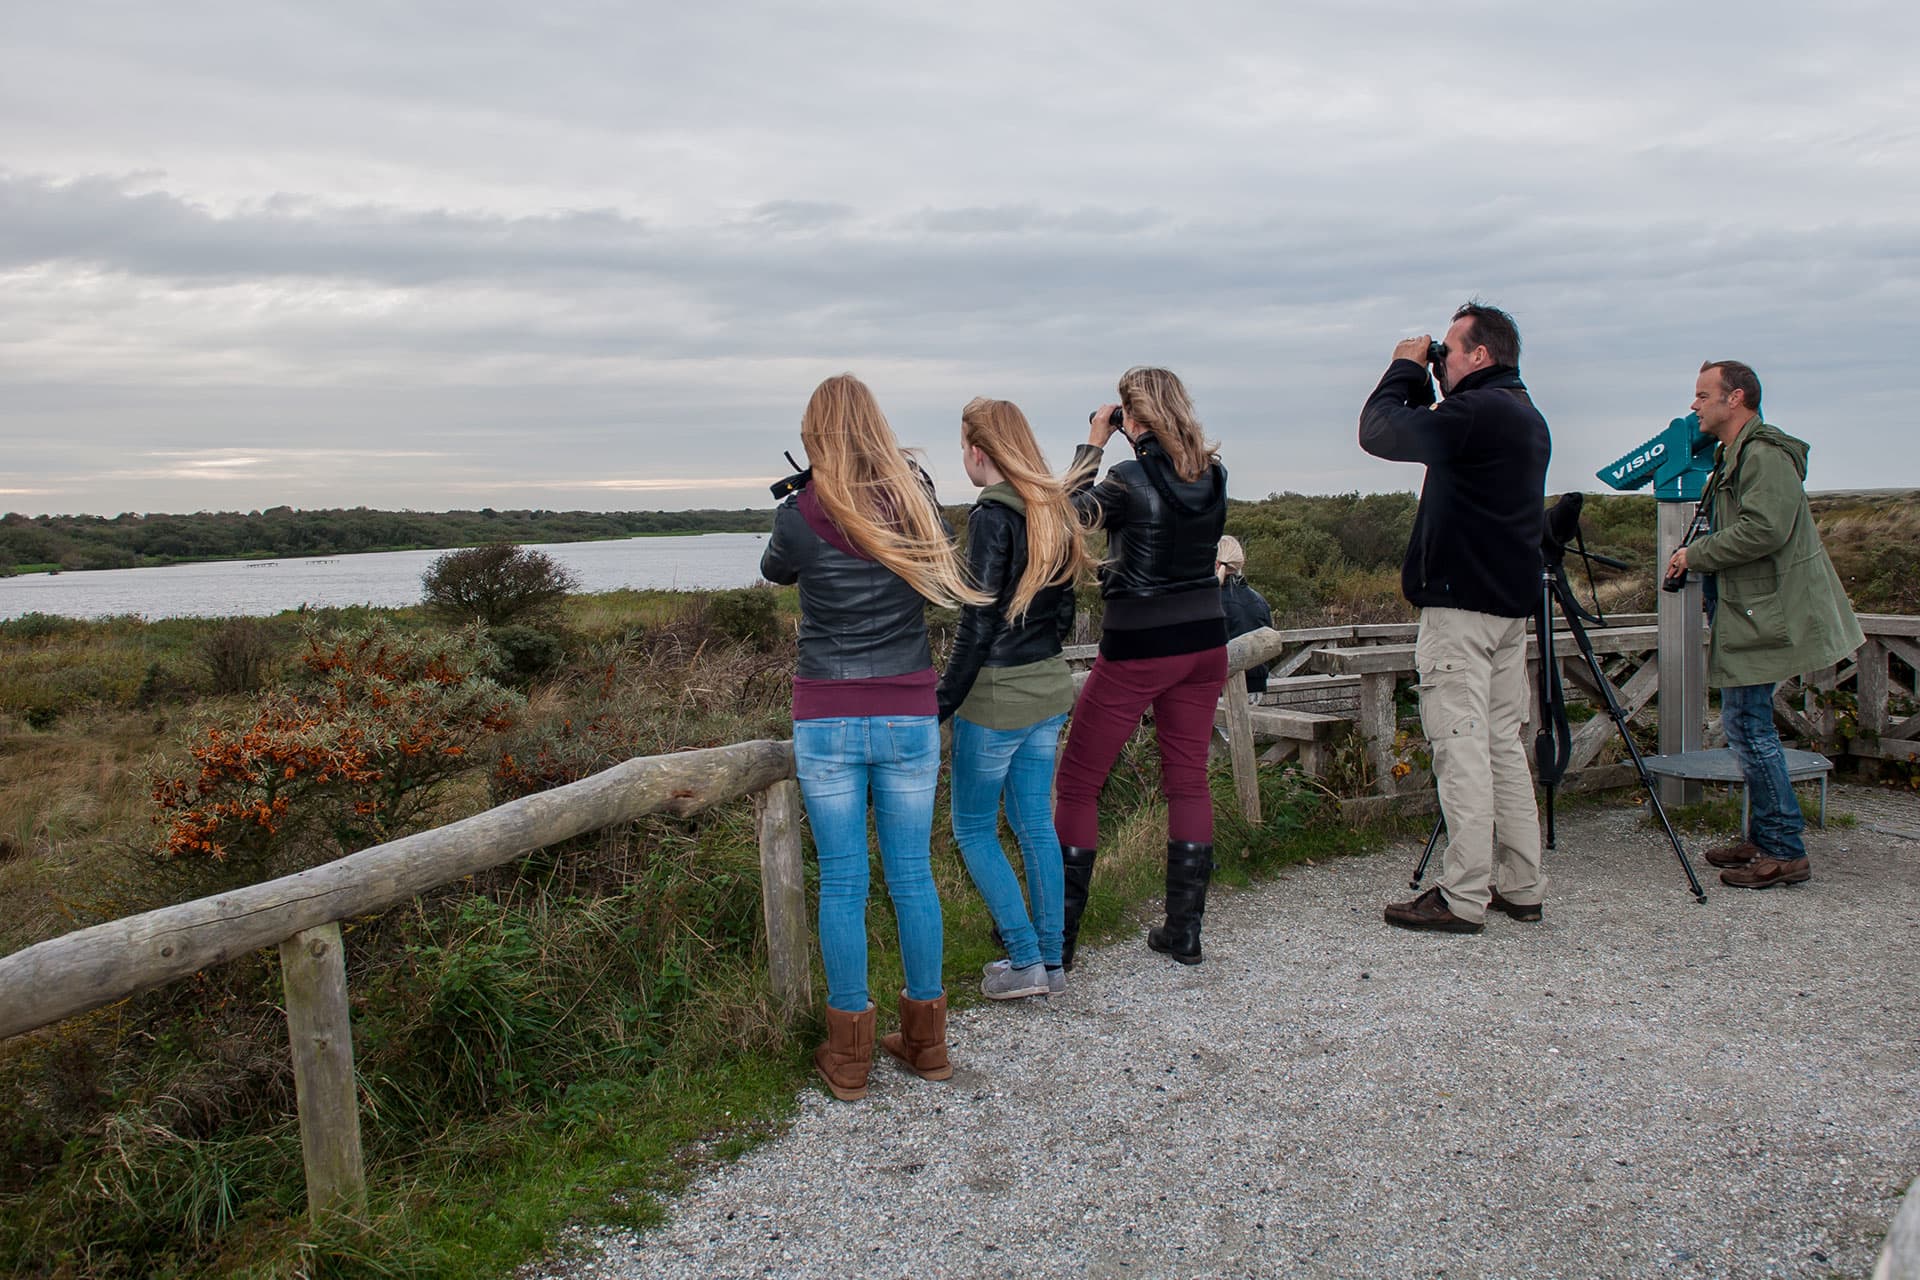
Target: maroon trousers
{"x":1183,"y":692}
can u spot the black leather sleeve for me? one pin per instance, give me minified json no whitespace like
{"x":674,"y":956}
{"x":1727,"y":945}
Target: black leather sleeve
{"x":989,"y":552}
{"x":1064,"y":613}
{"x":1103,"y":504}
{"x":786,"y":545}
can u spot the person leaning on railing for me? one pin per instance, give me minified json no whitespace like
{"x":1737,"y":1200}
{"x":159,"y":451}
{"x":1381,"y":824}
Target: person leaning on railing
{"x":865,"y":541}
{"x":1008,"y":689}
{"x":1162,"y":642}
{"x":1246,"y":609}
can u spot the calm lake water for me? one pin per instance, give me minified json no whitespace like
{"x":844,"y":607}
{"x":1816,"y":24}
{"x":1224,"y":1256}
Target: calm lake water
{"x":386,"y":578}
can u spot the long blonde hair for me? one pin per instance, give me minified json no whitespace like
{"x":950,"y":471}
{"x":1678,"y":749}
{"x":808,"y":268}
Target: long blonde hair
{"x":1055,"y":553}
{"x":867,"y":487}
{"x":1156,"y":400}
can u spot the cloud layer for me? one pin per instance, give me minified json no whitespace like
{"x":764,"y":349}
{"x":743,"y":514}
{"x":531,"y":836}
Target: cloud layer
{"x":593,"y":257}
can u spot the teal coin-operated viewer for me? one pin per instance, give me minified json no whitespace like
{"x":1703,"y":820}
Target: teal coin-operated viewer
{"x":1676,"y":463}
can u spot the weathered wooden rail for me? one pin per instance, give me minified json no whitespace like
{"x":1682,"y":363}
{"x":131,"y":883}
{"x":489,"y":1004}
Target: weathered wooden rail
{"x":300,"y":914}
{"x":1867,"y":707}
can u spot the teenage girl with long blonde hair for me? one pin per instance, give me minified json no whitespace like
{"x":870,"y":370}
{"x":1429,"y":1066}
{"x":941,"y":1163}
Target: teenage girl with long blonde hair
{"x":1008,"y":689}
{"x":865,"y":541}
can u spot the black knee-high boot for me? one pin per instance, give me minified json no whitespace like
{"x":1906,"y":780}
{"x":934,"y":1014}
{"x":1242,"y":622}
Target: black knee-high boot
{"x":1077,"y":865}
{"x":1189,"y":869}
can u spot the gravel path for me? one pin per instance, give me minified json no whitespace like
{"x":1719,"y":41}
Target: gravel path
{"x":1622,"y":1090}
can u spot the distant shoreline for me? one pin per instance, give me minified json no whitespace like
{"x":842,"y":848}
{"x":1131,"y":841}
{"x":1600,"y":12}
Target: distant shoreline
{"x":78,"y":544}
{"x":28,"y":570}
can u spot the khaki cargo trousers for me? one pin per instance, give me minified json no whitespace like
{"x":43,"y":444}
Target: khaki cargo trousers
{"x":1473,"y":707}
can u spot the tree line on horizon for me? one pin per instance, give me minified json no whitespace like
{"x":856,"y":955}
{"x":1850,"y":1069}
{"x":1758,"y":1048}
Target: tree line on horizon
{"x":130,"y":541}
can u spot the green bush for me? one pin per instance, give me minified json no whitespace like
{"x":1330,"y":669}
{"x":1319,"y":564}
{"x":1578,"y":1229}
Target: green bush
{"x":237,"y":655}
{"x":495,"y":584}
{"x":527,"y":653}
{"x":751,"y":616}
{"x":38,"y":626}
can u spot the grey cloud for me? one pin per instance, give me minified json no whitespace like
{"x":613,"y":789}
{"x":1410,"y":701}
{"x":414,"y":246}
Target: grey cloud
{"x":798,"y":215}
{"x":587,"y":232}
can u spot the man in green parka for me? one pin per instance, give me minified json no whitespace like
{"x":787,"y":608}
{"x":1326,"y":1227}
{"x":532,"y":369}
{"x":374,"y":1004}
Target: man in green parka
{"x":1781,"y":613}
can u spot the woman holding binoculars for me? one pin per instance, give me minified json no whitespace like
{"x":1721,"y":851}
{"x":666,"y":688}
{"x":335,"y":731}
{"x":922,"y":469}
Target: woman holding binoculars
{"x":1162,"y":643}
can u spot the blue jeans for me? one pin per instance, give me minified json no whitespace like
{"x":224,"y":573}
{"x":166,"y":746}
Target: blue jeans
{"x":1018,"y":763}
{"x":898,"y":757}
{"x":1774,"y":822}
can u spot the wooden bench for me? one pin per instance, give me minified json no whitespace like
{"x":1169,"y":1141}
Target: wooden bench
{"x":1328,"y":695}
{"x":1719,"y":764}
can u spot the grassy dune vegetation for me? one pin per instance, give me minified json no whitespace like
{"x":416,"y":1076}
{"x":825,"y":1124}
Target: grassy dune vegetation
{"x":568,"y":1037}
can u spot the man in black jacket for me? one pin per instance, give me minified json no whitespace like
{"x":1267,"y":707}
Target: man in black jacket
{"x":1473,"y":569}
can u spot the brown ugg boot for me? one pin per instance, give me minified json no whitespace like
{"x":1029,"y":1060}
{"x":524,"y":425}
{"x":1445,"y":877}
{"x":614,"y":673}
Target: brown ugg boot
{"x":846,"y":1057}
{"x":921,"y":1042}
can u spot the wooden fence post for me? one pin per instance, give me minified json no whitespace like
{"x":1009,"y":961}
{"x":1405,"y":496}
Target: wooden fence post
{"x":1870,"y":688}
{"x":313,"y":970}
{"x":783,"y":897}
{"x":1379,"y":722}
{"x":1246,"y":780}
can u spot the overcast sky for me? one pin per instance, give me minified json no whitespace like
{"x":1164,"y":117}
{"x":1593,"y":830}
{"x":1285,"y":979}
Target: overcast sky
{"x":598,"y":254}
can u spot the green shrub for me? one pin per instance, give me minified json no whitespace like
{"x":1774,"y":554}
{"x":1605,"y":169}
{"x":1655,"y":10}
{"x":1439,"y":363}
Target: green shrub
{"x":38,"y":626}
{"x":750,"y":616}
{"x":527,"y":653}
{"x":496,"y":584}
{"x":237,"y":655}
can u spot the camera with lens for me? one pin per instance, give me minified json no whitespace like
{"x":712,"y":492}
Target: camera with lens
{"x":794,"y":483}
{"x":1676,"y":580}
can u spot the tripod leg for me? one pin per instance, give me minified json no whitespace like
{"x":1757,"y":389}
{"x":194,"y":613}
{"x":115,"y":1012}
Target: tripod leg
{"x":1569,"y":607}
{"x":1653,"y":799}
{"x":1433,"y":842}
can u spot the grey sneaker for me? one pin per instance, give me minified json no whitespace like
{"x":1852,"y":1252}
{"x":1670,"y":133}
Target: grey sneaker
{"x":1001,"y":981}
{"x":1056,"y":982}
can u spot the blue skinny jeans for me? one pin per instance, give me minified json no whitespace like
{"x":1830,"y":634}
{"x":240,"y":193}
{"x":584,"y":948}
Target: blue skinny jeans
{"x":1017,"y":764}
{"x":898,"y":759}
{"x":1773,"y":822}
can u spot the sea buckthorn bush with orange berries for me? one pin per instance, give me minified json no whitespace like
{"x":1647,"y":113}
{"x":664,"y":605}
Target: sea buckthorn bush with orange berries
{"x":350,"y":752}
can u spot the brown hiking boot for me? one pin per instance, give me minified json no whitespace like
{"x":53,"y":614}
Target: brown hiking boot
{"x":1766,"y":871}
{"x":846,"y":1057}
{"x":1429,"y":911}
{"x":1737,"y":854}
{"x":1527,"y":912}
{"x":920,"y":1044}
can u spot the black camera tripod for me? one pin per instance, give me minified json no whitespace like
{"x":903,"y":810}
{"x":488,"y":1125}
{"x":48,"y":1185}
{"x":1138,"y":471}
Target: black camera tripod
{"x":1554,"y":743}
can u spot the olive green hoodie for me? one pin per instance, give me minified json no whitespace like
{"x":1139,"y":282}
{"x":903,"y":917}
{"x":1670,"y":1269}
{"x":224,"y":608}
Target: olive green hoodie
{"x":1782,"y":609}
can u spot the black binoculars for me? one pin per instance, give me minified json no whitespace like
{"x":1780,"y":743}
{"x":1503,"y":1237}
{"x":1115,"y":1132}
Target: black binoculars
{"x":1437,"y":355}
{"x":1114,"y":418}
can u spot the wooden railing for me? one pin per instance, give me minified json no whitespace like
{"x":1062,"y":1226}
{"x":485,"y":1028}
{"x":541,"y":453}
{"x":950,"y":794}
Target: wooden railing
{"x":1885,"y":679}
{"x":301,"y":914}
{"x":1879,"y":685}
